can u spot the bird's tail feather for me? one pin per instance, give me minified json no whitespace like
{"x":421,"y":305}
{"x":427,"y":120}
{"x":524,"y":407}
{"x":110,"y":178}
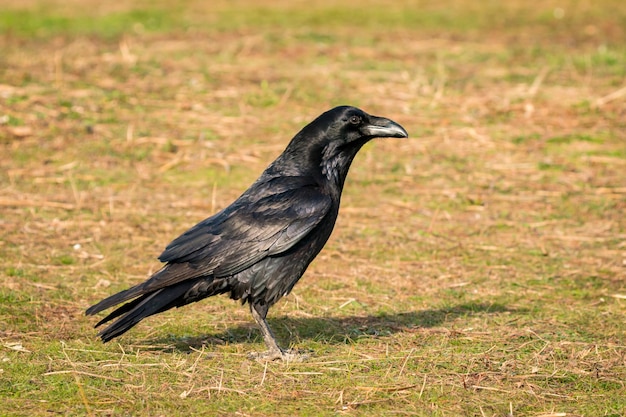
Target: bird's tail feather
{"x":168,"y":276}
{"x":115,"y":299}
{"x":122,"y":310}
{"x":144,"y":306}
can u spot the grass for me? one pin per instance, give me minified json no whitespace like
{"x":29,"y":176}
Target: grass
{"x":476,"y":269}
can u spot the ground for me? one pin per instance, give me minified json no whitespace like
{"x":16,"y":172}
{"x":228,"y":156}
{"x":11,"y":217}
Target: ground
{"x":477,"y":268}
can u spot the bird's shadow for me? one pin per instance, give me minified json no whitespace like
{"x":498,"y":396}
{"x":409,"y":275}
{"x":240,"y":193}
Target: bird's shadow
{"x":332,"y":330}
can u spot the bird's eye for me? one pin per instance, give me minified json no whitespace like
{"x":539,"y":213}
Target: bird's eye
{"x":355,"y":120}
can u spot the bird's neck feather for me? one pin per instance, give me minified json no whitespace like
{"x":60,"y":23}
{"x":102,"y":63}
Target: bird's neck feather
{"x":336,"y":161}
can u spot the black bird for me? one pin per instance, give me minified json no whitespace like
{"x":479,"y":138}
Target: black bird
{"x":257,"y":248}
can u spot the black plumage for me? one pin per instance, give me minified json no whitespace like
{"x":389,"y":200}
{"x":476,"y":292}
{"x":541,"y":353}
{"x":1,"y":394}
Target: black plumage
{"x":257,"y":248}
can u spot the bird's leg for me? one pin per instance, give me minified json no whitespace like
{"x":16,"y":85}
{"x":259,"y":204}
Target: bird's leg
{"x":274,"y":351}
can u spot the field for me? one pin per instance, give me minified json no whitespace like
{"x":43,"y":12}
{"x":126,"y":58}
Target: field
{"x":477,"y":268}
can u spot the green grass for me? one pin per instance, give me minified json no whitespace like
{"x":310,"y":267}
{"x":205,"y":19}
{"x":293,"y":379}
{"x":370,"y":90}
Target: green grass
{"x":476,"y":268}
{"x":44,"y":20}
{"x":48,"y":18}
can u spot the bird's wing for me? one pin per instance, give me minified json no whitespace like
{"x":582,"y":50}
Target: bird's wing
{"x":257,"y":225}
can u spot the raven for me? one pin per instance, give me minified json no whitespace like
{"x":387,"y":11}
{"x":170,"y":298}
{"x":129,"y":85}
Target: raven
{"x":257,"y":248}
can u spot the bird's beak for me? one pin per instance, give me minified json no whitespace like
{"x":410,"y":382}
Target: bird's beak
{"x":379,"y":127}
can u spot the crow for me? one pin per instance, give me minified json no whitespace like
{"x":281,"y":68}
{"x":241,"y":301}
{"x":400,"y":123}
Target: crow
{"x":257,"y":248}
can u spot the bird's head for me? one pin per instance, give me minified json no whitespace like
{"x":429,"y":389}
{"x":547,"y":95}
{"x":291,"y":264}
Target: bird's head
{"x":350,"y":125}
{"x":329,"y":143}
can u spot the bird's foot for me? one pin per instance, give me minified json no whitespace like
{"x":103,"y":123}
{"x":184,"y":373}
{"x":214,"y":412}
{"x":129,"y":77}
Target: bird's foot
{"x":290,"y":355}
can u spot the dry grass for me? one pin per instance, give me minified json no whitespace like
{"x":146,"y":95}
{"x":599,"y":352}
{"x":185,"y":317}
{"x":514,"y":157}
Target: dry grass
{"x":477,"y":268}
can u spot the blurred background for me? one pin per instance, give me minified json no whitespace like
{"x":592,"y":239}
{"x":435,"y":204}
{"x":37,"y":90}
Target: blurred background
{"x":477,"y":268}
